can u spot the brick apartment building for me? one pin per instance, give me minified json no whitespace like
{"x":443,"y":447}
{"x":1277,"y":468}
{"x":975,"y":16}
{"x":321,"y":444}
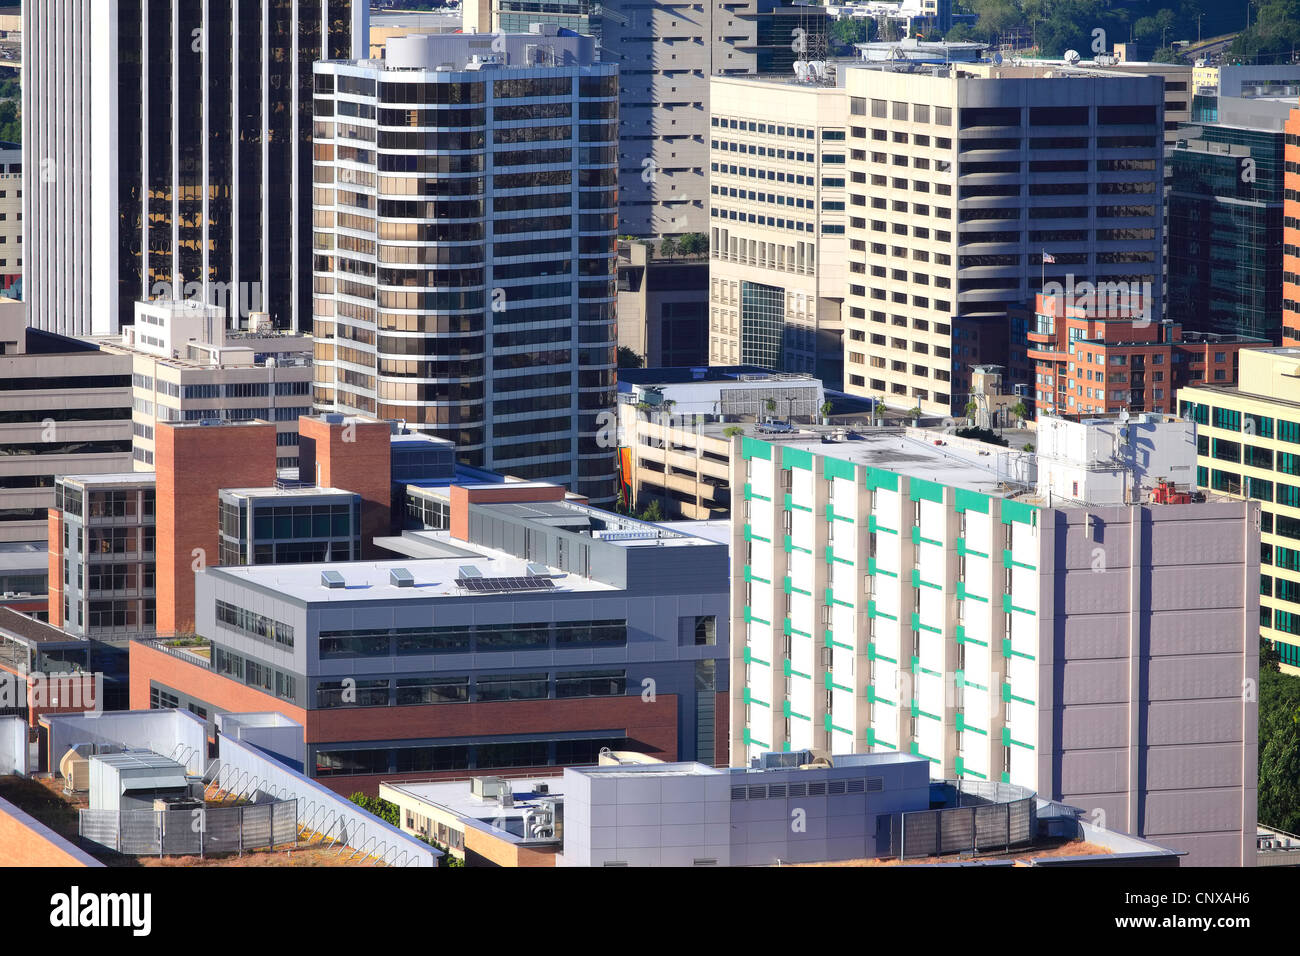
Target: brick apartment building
{"x":1100,"y":355}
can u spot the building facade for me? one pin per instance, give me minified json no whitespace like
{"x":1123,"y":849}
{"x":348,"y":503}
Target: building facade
{"x":11,"y":215}
{"x":289,"y":525}
{"x":564,"y":630}
{"x":465,"y":272}
{"x":1225,"y":220}
{"x":103,"y":545}
{"x":902,"y":599}
{"x":958,"y":187}
{"x":186,"y":367}
{"x":666,"y":55}
{"x":65,"y":408}
{"x":1100,"y":354}
{"x":1246,"y":446}
{"x":663,"y":307}
{"x":174,"y":144}
{"x":777,"y":238}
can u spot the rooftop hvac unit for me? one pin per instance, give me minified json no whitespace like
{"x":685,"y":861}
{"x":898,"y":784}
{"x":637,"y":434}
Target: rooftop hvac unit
{"x":76,"y":772}
{"x":487,"y":788}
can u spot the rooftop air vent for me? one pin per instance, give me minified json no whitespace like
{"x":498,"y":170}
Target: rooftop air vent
{"x":401,"y":578}
{"x":332,"y":579}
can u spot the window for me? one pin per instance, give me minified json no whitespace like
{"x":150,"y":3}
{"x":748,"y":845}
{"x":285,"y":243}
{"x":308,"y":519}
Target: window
{"x":698,"y":631}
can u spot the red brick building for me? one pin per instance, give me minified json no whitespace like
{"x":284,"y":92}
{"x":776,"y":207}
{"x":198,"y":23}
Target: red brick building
{"x":1099,"y":357}
{"x":1291,"y":232}
{"x":193,"y":462}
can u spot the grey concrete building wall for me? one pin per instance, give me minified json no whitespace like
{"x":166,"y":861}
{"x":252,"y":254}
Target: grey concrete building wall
{"x":1149,"y":664}
{"x":655,"y":651}
{"x":662,"y":816}
{"x":64,"y":409}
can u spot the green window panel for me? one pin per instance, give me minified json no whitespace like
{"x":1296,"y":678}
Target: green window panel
{"x":1008,"y":607}
{"x":964,"y":548}
{"x":966,"y":500}
{"x":919,"y":489}
{"x":919,"y":582}
{"x":797,"y":458}
{"x":837,"y":468}
{"x":1018,"y":511}
{"x":916,"y":752}
{"x":879,"y":478}
{"x":1008,"y":741}
{"x":1008,"y":561}
{"x":751,"y":448}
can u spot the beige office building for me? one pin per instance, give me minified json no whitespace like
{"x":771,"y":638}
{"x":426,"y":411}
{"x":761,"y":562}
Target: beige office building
{"x":777,"y":161}
{"x":958,"y":186}
{"x":186,"y":366}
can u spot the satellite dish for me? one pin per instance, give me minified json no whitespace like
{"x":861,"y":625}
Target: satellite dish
{"x":1072,"y":57}
{"x":1123,"y":415}
{"x":997,"y":59}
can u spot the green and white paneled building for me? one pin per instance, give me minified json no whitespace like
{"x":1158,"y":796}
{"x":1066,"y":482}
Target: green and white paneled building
{"x":890,"y":595}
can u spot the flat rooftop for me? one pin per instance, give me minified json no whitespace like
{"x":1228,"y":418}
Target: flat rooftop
{"x":959,"y":466}
{"x":455,"y":797}
{"x":307,"y":491}
{"x":434,"y":578}
{"x":114,"y":478}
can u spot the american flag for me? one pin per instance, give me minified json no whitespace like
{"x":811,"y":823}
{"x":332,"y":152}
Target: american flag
{"x":1049,"y":259}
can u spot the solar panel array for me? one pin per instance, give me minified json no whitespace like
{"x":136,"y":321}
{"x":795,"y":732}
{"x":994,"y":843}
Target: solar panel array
{"x":498,"y":585}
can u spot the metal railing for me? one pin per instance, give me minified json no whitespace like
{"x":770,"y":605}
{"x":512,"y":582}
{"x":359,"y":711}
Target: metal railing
{"x":179,"y":652}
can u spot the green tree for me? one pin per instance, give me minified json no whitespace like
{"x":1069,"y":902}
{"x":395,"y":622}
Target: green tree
{"x":731,"y":431}
{"x":383,"y":809}
{"x":627,"y":358}
{"x":653,"y":511}
{"x":1279,"y":744}
{"x":844,"y":33}
{"x":668,"y":247}
{"x":770,"y":405}
{"x":693,"y":244}
{"x":972,"y":409}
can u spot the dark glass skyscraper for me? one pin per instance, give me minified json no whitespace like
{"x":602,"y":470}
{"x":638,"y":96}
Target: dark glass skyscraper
{"x":174,"y":144}
{"x":1225,"y":222}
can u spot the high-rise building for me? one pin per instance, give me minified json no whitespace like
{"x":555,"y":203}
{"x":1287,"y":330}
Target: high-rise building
{"x":968,"y":194}
{"x":777,"y":278}
{"x":187,"y":367}
{"x":65,"y":408}
{"x":172,"y":150}
{"x":1095,"y":355}
{"x":465,"y":209}
{"x":11,"y":216}
{"x":666,"y":54}
{"x":1247,"y":448}
{"x":1061,"y":631}
{"x":1225,"y":219}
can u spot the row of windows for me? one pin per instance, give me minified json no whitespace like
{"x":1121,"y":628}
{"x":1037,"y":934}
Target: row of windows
{"x":484,"y":756}
{"x":255,"y":624}
{"x":254,"y":674}
{"x":473,"y":639}
{"x":440,"y":689}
